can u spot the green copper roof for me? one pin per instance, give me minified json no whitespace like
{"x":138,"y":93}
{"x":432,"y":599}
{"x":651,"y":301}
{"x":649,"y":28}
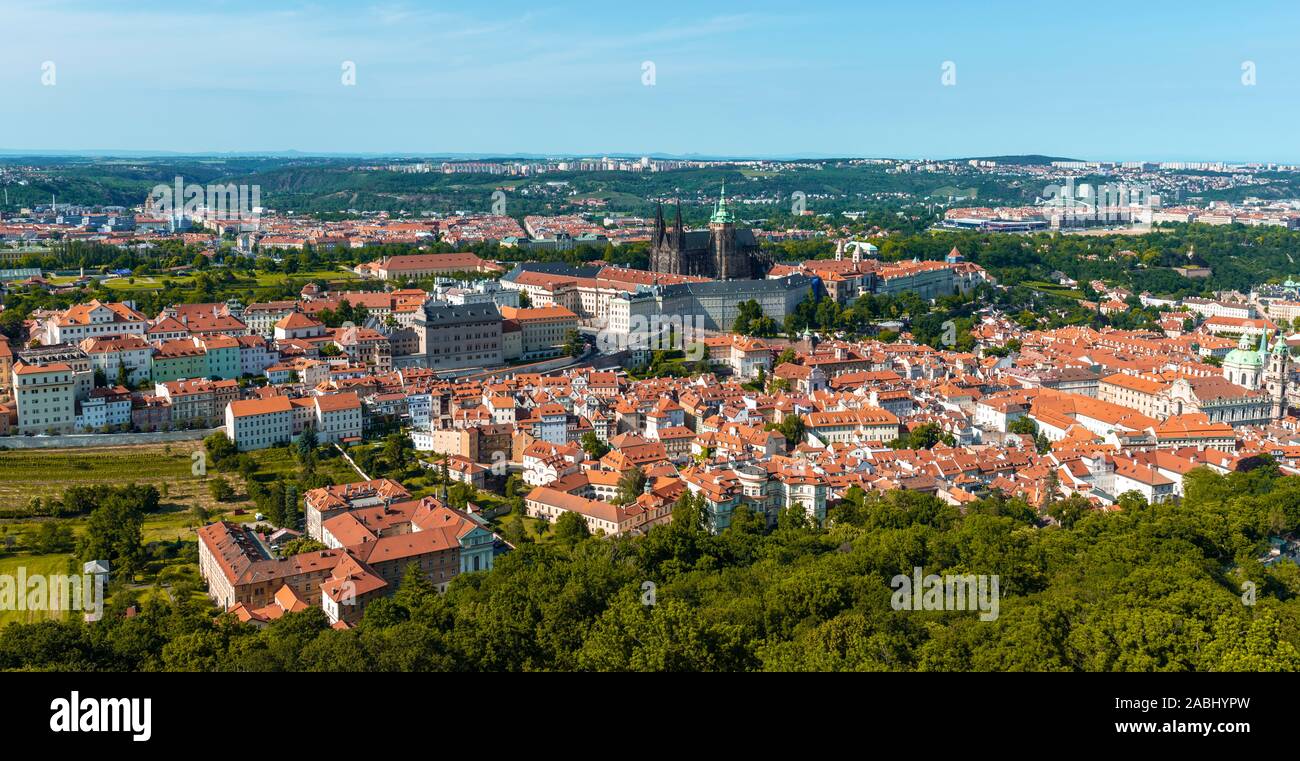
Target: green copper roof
{"x":1246,"y":357}
{"x":721,"y":214}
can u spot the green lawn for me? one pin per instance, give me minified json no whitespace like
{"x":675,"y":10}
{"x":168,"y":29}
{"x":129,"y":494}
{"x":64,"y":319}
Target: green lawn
{"x":137,"y":283}
{"x":1054,"y":289}
{"x":46,"y":565}
{"x":27,"y":473}
{"x":531,"y":526}
{"x":46,"y":473}
{"x":339,"y":277}
{"x":276,"y":278}
{"x":949,"y":191}
{"x":280,"y":461}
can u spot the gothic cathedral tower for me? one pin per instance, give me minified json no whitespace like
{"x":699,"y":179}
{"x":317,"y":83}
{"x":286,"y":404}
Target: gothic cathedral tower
{"x":722,"y":231}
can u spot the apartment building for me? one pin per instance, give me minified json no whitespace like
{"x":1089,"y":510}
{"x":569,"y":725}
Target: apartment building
{"x":111,"y":353}
{"x":297,"y":325}
{"x":241,"y":568}
{"x":83,"y":373}
{"x":197,"y":401}
{"x":256,"y":353}
{"x":259,"y":423}
{"x":337,"y":417}
{"x":6,"y":365}
{"x":853,"y":426}
{"x":374,"y":549}
{"x":543,"y":329}
{"x":178,"y":359}
{"x":46,"y":396}
{"x":1213,"y":308}
{"x":105,"y":408}
{"x":745,"y":356}
{"x":223,"y":356}
{"x":1149,"y":397}
{"x":261,"y":317}
{"x":201,"y":320}
{"x":320,"y":505}
{"x":92,"y":319}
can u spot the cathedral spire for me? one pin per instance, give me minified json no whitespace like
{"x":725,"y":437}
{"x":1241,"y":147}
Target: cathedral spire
{"x":721,"y":214}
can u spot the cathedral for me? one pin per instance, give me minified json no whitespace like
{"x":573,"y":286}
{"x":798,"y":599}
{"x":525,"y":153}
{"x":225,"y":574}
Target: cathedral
{"x":721,"y":252}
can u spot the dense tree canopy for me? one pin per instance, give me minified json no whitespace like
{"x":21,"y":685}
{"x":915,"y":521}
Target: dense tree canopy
{"x":1147,"y":588}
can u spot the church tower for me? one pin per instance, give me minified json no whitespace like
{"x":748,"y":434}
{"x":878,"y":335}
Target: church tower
{"x":1276,"y":376}
{"x":666,"y":244}
{"x":722,"y":233}
{"x":657,"y":247}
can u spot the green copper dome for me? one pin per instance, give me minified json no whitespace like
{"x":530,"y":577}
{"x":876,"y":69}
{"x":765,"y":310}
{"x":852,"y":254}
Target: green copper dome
{"x":1244,"y":358}
{"x":1245,"y":355}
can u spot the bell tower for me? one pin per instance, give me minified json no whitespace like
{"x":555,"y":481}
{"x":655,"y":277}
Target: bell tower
{"x":722,"y":232}
{"x":1277,"y":374}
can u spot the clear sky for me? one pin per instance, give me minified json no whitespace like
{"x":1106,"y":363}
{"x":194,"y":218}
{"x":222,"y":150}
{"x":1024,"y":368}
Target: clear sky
{"x":1094,"y":80}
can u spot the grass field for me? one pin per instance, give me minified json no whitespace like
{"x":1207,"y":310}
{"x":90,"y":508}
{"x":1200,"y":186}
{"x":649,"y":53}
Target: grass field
{"x":260,"y":280}
{"x":279,"y":461}
{"x":46,"y":473}
{"x":1054,"y":289}
{"x":47,"y":565}
{"x":949,"y":191}
{"x":27,"y":473}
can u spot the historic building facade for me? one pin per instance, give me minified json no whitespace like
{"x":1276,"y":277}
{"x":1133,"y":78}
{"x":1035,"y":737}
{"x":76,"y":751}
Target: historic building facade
{"x":1262,"y":369}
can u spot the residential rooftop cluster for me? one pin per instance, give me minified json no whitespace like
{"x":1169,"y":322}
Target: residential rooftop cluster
{"x":491,"y":377}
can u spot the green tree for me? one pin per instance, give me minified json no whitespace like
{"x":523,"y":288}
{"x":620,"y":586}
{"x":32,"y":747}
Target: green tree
{"x":631,"y":484}
{"x":571,"y":528}
{"x":593,"y":446}
{"x":115,"y":532}
{"x":221,"y":490}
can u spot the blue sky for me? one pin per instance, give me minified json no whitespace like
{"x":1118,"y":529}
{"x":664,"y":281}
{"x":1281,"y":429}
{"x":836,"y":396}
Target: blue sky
{"x":1097,"y":80}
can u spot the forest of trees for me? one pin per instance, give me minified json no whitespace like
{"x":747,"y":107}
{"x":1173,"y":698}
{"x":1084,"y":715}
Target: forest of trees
{"x":1145,"y":588}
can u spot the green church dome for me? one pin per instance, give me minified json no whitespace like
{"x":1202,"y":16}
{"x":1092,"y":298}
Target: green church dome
{"x":1244,"y":358}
